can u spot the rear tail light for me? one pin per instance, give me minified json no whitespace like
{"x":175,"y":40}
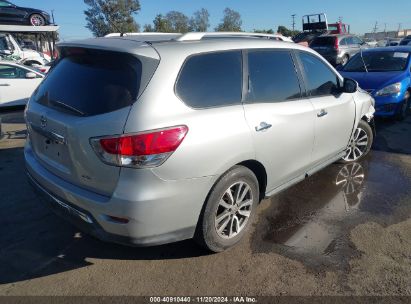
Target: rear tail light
{"x":142,"y":150}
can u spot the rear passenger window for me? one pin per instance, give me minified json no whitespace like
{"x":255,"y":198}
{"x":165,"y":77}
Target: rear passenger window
{"x":211,"y":80}
{"x":320,"y":79}
{"x":273,"y":77}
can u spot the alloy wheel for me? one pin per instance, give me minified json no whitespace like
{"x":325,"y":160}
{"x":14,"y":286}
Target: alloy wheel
{"x":358,"y":145}
{"x":350,"y":177}
{"x":234,"y":210}
{"x":37,"y":20}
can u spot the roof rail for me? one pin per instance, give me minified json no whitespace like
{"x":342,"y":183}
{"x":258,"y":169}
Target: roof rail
{"x":200,"y":35}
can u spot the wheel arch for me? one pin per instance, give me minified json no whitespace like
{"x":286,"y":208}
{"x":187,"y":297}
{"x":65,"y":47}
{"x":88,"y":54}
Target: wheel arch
{"x":260,"y":172}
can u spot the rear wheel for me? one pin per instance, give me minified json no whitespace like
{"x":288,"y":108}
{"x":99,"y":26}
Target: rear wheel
{"x":360,"y":143}
{"x":229,"y":210}
{"x":37,"y":20}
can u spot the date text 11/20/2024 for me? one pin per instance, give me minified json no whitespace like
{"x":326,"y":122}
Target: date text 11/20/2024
{"x":239,"y":299}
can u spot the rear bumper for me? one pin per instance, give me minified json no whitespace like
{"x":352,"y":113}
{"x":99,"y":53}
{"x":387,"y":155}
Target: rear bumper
{"x":158,"y":211}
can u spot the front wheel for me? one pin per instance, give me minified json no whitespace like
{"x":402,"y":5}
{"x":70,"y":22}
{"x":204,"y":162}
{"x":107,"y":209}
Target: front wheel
{"x":229,"y":210}
{"x":360,"y":143}
{"x":37,"y":20}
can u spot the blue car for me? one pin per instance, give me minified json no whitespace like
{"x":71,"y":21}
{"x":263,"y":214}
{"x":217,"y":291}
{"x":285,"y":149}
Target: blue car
{"x":385,"y":73}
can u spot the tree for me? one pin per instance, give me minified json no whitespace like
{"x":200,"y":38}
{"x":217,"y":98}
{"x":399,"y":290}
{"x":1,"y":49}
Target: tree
{"x":178,"y":22}
{"x":286,"y":32}
{"x":148,"y":28}
{"x":269,"y":31}
{"x":161,"y":24}
{"x":231,"y":21}
{"x":108,"y":16}
{"x":200,"y":21}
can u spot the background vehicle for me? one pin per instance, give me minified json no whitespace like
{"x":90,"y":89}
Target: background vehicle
{"x":316,"y":25}
{"x":393,"y":42}
{"x":371,"y":42}
{"x":337,"y":49}
{"x":13,"y":14}
{"x":130,"y":173}
{"x":405,"y":41}
{"x":10,"y":47}
{"x":385,"y":74}
{"x":17,"y":83}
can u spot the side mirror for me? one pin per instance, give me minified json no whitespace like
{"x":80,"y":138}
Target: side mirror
{"x":30,"y":75}
{"x":349,"y":86}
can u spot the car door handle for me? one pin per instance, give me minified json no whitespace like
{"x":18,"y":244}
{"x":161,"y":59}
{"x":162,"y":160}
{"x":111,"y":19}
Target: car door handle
{"x":263,"y":126}
{"x":4,"y":85}
{"x":322,"y":113}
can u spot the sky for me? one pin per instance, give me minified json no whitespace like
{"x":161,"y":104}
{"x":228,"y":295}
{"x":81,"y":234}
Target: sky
{"x":256,"y":14}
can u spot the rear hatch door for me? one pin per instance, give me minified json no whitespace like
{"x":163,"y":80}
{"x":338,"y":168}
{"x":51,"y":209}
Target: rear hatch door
{"x":88,"y":94}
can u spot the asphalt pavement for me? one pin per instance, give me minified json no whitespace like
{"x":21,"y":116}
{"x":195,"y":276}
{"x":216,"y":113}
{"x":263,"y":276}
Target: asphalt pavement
{"x":343,"y":231}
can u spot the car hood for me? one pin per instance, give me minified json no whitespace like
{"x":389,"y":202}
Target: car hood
{"x":375,"y":80}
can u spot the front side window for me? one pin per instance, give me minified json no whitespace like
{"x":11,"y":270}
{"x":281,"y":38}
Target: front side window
{"x":11,"y":72}
{"x":211,"y":80}
{"x":320,"y":79}
{"x":273,"y":77}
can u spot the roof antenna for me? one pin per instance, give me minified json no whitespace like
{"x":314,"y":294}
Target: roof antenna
{"x":111,"y":23}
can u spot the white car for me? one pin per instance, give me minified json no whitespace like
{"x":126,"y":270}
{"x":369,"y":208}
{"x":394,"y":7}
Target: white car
{"x":17,"y":83}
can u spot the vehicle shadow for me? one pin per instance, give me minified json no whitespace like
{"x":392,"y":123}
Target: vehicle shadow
{"x":393,"y":136}
{"x":34,"y":242}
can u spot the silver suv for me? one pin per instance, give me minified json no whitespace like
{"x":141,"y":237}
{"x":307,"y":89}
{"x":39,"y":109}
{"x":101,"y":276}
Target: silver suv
{"x":147,"y":140}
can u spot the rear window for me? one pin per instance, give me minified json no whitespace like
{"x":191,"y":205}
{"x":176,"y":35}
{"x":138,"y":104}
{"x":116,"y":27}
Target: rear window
{"x":89,"y":82}
{"x":211,"y":80}
{"x":323,"y":41}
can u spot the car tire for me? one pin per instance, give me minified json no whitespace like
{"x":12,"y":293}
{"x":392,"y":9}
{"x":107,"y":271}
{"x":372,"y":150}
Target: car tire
{"x":360,"y":144}
{"x":226,"y":218}
{"x":37,"y":20}
{"x":404,"y":108}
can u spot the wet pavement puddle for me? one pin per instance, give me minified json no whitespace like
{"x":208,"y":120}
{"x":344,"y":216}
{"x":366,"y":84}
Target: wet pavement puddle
{"x":311,"y":222}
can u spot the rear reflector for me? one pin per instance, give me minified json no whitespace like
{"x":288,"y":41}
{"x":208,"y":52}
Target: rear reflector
{"x":146,"y":149}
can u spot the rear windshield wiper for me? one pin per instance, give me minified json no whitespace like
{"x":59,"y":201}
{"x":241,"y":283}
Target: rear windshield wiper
{"x":64,"y":106}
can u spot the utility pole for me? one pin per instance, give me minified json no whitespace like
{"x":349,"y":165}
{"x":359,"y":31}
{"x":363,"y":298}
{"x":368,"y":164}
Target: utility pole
{"x":385,"y":27}
{"x":375,"y":27}
{"x":293,"y":16}
{"x":399,"y":29}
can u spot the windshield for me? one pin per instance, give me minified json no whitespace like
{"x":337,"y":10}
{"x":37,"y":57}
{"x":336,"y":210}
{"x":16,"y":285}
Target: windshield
{"x":384,"y":61}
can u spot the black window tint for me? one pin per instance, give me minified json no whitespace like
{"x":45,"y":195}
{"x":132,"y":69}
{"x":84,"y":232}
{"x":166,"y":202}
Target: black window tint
{"x":319,"y":77}
{"x":343,"y":42}
{"x":272,"y":77}
{"x":91,"y":82}
{"x":211,"y":80}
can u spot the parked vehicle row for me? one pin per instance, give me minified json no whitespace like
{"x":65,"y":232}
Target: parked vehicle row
{"x":181,"y":139}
